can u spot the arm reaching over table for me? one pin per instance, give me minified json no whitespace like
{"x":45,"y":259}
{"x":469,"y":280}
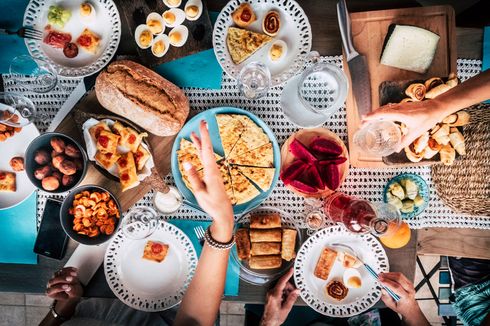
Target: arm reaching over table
{"x":201,"y":302}
{"x":422,"y":116}
{"x":407,"y":307}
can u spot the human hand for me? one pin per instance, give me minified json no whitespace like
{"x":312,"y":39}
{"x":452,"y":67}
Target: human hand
{"x":64,"y":285}
{"x":417,"y":116}
{"x":279,"y":301}
{"x":407,"y":306}
{"x":210,"y":191}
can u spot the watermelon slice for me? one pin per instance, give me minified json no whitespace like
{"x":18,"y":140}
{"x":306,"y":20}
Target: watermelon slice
{"x":293,"y":171}
{"x":325,"y":146}
{"x":302,"y":187}
{"x":301,"y":152}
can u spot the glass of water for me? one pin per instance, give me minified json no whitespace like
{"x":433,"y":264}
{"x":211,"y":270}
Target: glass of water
{"x":16,"y":110}
{"x":254,"y":80}
{"x":34,"y":74}
{"x":379,"y":137}
{"x":139,"y":223}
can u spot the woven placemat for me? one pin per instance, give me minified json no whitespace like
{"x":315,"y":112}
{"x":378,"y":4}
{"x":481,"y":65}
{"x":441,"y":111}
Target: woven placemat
{"x":465,"y":185}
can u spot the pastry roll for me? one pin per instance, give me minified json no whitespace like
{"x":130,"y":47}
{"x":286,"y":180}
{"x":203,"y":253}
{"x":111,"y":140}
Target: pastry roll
{"x":442,"y":135}
{"x":438,"y":90}
{"x":448,"y":154}
{"x":458,"y":119}
{"x":432,"y":82}
{"x":270,"y":235}
{"x":416,"y":91}
{"x":265,"y":262}
{"x":265,"y":248}
{"x":242,"y":243}
{"x":325,"y":263}
{"x":457,"y":140}
{"x":288,"y":244}
{"x":265,"y":221}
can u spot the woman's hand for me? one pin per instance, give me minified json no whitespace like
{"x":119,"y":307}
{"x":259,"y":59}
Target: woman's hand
{"x":417,"y":116}
{"x":407,"y":306}
{"x":64,"y":285}
{"x":210,"y":191}
{"x":279,"y":301}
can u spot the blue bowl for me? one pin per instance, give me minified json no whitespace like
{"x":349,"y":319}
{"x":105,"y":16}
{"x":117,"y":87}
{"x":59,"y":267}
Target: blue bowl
{"x":423,"y":192}
{"x":209,"y":116}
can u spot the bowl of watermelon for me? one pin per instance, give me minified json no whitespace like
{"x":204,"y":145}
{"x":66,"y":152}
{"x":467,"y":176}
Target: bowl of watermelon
{"x":314,"y":162}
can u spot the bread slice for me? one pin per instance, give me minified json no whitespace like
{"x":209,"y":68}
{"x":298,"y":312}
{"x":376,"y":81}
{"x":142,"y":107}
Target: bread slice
{"x":243,"y":43}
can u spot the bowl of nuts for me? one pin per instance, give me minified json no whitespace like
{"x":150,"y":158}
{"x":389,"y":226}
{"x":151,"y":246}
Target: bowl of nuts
{"x":55,"y":162}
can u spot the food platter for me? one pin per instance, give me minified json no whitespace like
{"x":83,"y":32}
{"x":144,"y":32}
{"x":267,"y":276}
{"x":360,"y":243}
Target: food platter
{"x":106,"y":24}
{"x":312,"y":289}
{"x":148,"y":285}
{"x":295,"y":31}
{"x":16,"y":146}
{"x":210,"y":117}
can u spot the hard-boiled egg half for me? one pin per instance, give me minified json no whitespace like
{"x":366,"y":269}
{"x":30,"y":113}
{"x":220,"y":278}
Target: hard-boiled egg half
{"x":178,"y":35}
{"x":155,"y":23}
{"x":173,"y":17}
{"x":143,"y":36}
{"x":172,"y":3}
{"x":87,"y":12}
{"x":277,"y":51}
{"x":352,"y":278}
{"x":193,"y":9}
{"x":160,"y":45}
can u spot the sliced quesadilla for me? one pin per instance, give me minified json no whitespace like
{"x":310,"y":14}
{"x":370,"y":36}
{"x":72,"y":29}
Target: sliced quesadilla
{"x":230,"y":130}
{"x":243,"y":43}
{"x":243,"y":189}
{"x":252,"y":137}
{"x":262,"y":156}
{"x":262,"y":177}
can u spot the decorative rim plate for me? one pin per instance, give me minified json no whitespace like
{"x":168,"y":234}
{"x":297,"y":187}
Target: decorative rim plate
{"x":107,"y":24}
{"x":16,"y":146}
{"x":146,"y":285}
{"x":295,"y":31}
{"x":209,"y":115}
{"x":423,"y":192}
{"x":260,"y":277}
{"x":312,"y":289}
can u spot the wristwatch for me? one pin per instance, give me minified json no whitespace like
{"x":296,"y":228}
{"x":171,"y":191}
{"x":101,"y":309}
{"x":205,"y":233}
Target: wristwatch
{"x":56,"y":315}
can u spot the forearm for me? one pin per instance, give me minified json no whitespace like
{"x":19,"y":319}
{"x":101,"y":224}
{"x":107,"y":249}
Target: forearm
{"x":472,"y":91}
{"x":65,"y":309}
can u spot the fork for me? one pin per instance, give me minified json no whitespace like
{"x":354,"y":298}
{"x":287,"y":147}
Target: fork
{"x":199,"y":231}
{"x":24,"y":32}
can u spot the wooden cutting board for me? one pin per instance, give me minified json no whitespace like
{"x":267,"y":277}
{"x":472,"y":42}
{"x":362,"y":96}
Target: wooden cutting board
{"x":134,"y":13}
{"x":161,"y":148}
{"x":368,"y":31}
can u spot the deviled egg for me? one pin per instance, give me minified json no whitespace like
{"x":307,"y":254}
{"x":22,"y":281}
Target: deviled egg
{"x":193,"y":9}
{"x":143,"y":36}
{"x":278,"y":50}
{"x":172,"y":3}
{"x":155,"y":23}
{"x":178,"y":35}
{"x":160,"y":45}
{"x":173,"y":17}
{"x":87,"y":12}
{"x":352,"y":278}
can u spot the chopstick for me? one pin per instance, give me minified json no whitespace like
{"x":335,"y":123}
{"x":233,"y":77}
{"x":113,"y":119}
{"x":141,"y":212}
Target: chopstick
{"x":375,"y":275}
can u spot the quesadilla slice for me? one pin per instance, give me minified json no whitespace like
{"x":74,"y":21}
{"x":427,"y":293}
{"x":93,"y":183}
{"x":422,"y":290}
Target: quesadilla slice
{"x":230,"y":130}
{"x":188,"y":152}
{"x":252,"y":137}
{"x":262,"y":156}
{"x":243,"y":190}
{"x":225,"y":173}
{"x":262,"y":177}
{"x":243,"y":43}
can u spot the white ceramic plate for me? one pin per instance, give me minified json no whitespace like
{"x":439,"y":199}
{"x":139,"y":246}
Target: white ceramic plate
{"x":295,"y":30}
{"x":16,"y":146}
{"x":147,"y":285}
{"x":106,"y":24}
{"x":313,"y":292}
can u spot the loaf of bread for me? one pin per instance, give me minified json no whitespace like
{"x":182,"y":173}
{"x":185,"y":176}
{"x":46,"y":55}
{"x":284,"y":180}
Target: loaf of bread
{"x":142,"y":96}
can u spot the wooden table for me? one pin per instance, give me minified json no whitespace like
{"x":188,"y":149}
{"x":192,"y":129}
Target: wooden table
{"x":326,"y":40}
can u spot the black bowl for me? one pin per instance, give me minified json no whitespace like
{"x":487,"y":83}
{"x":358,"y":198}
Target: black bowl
{"x":66,"y":218}
{"x":43,"y":142}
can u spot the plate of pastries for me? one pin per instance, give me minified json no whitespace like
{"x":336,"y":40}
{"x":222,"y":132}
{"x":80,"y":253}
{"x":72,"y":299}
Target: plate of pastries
{"x":275,"y":33}
{"x":246,"y":151}
{"x":266,"y":244}
{"x":329,"y":271}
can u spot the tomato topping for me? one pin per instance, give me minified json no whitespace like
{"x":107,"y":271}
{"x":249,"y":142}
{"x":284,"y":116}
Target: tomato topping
{"x":123,"y":162}
{"x":97,"y":131}
{"x":156,"y":248}
{"x":246,"y":15}
{"x":108,"y":155}
{"x":125,"y":177}
{"x":132,"y":139}
{"x":103,"y":141}
{"x":2,"y":176}
{"x":138,"y":156}
{"x":84,"y":40}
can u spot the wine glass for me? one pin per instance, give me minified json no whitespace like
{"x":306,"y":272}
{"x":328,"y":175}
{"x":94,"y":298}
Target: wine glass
{"x":34,"y":74}
{"x":254,"y":80}
{"x":379,"y":137}
{"x":16,"y":110}
{"x":139,"y":223}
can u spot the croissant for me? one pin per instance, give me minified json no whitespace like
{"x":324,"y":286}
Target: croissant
{"x":448,"y":154}
{"x":416,"y":91}
{"x":432,"y":82}
{"x":452,"y":82}
{"x":406,"y":100}
{"x":438,"y":90}
{"x":412,"y":156}
{"x":442,"y":135}
{"x":403,"y":129}
{"x":433,"y":147}
{"x":458,"y":119}
{"x":421,"y":143}
{"x":457,"y":140}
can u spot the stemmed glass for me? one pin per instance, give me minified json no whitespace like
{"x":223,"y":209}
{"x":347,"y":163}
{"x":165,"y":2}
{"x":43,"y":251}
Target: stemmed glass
{"x":254,"y":80}
{"x":379,"y":137}
{"x":16,"y":110}
{"x":139,"y":223}
{"x":34,"y":74}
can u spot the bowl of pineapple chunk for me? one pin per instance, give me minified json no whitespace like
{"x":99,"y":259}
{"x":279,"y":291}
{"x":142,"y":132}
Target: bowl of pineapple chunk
{"x":409,"y":193}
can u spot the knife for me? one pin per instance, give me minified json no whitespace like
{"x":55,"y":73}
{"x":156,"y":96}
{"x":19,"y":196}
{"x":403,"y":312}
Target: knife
{"x":359,"y":74}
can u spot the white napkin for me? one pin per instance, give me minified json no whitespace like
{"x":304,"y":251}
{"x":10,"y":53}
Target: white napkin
{"x":87,"y":260}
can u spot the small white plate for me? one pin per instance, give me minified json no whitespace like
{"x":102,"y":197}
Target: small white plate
{"x":16,"y":146}
{"x":147,"y":285}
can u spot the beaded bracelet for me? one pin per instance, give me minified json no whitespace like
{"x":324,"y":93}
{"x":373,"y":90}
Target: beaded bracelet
{"x":216,"y":244}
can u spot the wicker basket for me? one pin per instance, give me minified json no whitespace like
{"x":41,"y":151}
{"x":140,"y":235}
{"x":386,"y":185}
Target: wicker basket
{"x":465,"y":185}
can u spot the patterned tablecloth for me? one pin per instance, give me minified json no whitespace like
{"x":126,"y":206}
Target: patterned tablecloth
{"x":361,"y":182}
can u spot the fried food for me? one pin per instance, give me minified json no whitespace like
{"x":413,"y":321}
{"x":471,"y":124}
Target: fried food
{"x":325,"y":263}
{"x":243,"y":16}
{"x":265,"y":221}
{"x":7,"y":182}
{"x":265,"y":262}
{"x":17,"y":163}
{"x":242,"y":243}
{"x":155,"y":251}
{"x":337,"y":290}
{"x":50,"y":183}
{"x":58,"y":144}
{"x":288,"y":244}
{"x":6,"y":131}
{"x":42,"y":157}
{"x":265,"y":248}
{"x":269,"y":235}
{"x":42,"y":172}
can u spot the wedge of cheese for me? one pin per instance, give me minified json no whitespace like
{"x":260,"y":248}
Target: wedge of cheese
{"x":410,"y":48}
